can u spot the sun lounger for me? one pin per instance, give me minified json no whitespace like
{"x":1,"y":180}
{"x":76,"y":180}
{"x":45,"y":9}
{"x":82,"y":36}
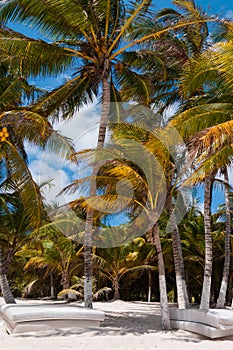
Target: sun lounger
{"x":214,"y":323}
{"x":21,"y":318}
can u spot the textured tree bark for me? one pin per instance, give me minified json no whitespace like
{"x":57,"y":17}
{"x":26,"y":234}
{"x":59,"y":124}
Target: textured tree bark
{"x":181,"y":287}
{"x":230,"y":286}
{"x":116,"y":289}
{"x":65,"y":280}
{"x":6,"y":292}
{"x":205,"y":297}
{"x":88,"y":259}
{"x":223,"y":289}
{"x":165,"y":318}
{"x":89,"y":214}
{"x":182,"y":294}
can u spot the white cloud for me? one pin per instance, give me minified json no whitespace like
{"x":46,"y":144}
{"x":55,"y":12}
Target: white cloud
{"x":48,"y":170}
{"x":46,"y":166}
{"x":82,"y":128}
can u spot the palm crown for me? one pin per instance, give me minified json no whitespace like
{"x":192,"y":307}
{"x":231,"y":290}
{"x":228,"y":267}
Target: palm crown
{"x":101,"y":40}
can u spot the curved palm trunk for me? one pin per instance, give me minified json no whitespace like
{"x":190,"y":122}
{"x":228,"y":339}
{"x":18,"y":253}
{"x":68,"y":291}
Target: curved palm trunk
{"x":155,"y":239}
{"x":182,"y":294}
{"x":89,"y":215}
{"x":7,"y":295}
{"x":223,"y":289}
{"x":205,"y":297}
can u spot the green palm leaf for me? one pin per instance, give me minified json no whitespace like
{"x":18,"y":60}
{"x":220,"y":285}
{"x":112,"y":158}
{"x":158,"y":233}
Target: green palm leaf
{"x":21,"y":176}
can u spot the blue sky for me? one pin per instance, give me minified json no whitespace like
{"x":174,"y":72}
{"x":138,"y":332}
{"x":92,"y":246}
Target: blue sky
{"x":84,"y":127}
{"x":213,"y":6}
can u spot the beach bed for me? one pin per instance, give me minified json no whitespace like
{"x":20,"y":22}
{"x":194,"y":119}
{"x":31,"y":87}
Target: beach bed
{"x":28,"y":318}
{"x":213,"y":323}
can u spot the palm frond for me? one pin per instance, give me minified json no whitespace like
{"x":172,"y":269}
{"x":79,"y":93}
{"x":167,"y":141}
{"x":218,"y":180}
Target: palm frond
{"x":29,"y":191}
{"x":198,"y":118}
{"x":33,"y":57}
{"x":62,"y":102}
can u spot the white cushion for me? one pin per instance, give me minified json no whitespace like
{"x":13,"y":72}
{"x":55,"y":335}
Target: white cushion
{"x":21,"y":318}
{"x":212,"y":323}
{"x":205,"y":330}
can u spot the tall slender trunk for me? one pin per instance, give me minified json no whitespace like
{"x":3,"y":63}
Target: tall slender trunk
{"x":223,"y":289}
{"x":182,"y":294}
{"x":205,"y":296}
{"x":149,"y":286}
{"x":116,"y":288}
{"x":155,"y":239}
{"x":89,"y":214}
{"x":88,"y":259}
{"x":52,"y":289}
{"x":6,"y":292}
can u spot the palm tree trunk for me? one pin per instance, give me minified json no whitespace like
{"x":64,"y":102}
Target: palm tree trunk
{"x":116,"y":289}
{"x":88,"y":259}
{"x":182,"y":294}
{"x":223,"y":289}
{"x":7,"y":295}
{"x":52,"y":289}
{"x":205,"y":297}
{"x":89,"y":214}
{"x":165,"y":318}
{"x":149,"y":286}
{"x":65,"y":280}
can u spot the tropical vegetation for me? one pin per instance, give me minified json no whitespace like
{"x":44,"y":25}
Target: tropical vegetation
{"x":137,"y":64}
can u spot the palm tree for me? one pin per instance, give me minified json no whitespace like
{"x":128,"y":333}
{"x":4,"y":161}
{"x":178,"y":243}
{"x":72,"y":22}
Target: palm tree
{"x":15,"y":176}
{"x":115,"y":262}
{"x":102,"y":40}
{"x":15,"y":173}
{"x":191,"y":41}
{"x":193,"y":242}
{"x":226,"y":269}
{"x":54,"y":253}
{"x":7,"y":295}
{"x":205,"y":296}
{"x":13,"y":233}
{"x":175,"y":49}
{"x":225,"y":214}
{"x":213,"y":157}
{"x":18,"y":125}
{"x":162,"y":143}
{"x":139,"y":167}
{"x":192,"y":230}
{"x":211,"y":111}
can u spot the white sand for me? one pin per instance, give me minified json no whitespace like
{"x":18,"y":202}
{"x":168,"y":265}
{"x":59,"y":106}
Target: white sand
{"x":128,"y":325}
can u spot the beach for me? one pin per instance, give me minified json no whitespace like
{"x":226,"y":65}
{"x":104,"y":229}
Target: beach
{"x":127,"y":325}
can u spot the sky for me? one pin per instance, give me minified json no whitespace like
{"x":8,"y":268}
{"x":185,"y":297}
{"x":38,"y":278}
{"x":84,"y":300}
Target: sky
{"x":213,"y":6}
{"x":84,"y":126}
